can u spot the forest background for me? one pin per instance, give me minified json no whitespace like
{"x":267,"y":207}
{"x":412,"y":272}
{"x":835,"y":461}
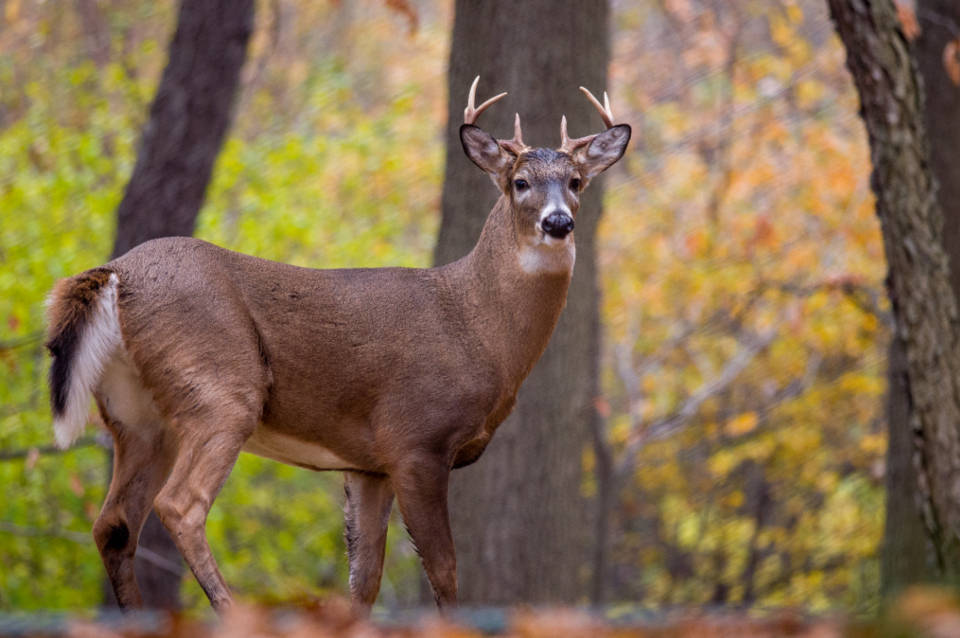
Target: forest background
{"x":745,"y":323}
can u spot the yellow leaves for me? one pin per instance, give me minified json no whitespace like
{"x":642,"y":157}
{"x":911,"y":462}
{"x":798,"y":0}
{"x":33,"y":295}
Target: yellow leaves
{"x":762,"y":235}
{"x":874,"y":444}
{"x":721,"y":463}
{"x":734,"y":499}
{"x":696,"y":243}
{"x":783,"y":32}
{"x":794,"y":13}
{"x":809,"y":93}
{"x":619,"y":429}
{"x":863,"y":384}
{"x":741,"y":424}
{"x":11,"y":10}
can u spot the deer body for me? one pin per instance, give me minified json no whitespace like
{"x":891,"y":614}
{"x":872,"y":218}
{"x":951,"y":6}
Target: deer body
{"x":392,"y":375}
{"x":326,"y":353}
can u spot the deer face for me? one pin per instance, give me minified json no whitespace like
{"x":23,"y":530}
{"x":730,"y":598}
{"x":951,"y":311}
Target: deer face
{"x":544,"y":185}
{"x":544,"y":190}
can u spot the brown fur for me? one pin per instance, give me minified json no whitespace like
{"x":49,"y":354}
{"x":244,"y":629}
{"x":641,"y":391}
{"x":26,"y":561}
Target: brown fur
{"x":395,"y":375}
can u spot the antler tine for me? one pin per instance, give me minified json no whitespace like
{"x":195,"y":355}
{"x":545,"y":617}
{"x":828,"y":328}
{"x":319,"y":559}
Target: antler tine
{"x":604,"y":109}
{"x":568,"y":144}
{"x":471,"y":113}
{"x":515,"y":145}
{"x":564,"y":138}
{"x":517,"y":133}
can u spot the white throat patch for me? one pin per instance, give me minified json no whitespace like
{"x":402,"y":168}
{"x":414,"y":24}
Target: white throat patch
{"x":548,"y":256}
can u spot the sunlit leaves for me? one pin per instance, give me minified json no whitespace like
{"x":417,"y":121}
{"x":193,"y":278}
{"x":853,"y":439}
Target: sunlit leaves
{"x":748,"y":211}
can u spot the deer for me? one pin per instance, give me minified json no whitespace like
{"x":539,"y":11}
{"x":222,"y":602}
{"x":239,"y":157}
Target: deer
{"x":393,"y":376}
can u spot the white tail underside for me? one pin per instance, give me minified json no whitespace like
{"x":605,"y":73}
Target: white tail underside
{"x":99,"y":340}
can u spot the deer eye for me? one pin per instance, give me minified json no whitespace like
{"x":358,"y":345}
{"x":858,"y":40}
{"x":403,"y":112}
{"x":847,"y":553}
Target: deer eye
{"x":521,"y":184}
{"x":575,"y":184}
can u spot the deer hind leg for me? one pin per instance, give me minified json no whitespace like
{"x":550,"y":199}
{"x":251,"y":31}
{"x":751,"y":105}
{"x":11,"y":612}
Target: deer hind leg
{"x":141,"y":463}
{"x":204,"y":459}
{"x":421,"y":488}
{"x":366,"y":513}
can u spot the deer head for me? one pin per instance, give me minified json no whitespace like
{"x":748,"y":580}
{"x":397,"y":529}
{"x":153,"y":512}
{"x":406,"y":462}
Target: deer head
{"x":543,"y":185}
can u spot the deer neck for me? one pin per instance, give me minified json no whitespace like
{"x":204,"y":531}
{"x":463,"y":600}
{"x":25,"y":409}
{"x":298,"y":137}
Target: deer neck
{"x":515,"y":292}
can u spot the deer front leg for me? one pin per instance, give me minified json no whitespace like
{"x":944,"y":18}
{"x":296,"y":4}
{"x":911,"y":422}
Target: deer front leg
{"x":366,"y":514}
{"x":421,"y":489}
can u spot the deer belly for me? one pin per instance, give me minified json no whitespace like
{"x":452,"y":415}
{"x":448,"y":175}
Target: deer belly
{"x":294,"y":451}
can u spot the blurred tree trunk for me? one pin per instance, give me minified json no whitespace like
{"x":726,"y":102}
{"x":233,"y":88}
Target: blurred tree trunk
{"x":521,"y":525}
{"x":188,"y":120}
{"x":918,"y":281}
{"x":907,"y":556}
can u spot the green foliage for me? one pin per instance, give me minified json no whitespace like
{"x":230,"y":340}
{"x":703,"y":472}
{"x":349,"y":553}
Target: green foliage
{"x":335,"y":184}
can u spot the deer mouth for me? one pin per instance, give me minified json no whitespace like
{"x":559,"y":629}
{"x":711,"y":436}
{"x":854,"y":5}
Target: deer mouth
{"x":549,"y":239}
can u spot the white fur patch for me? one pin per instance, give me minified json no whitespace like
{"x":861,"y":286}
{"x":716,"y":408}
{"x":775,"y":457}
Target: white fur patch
{"x":548,"y":256}
{"x":99,"y":340}
{"x":293,"y":451}
{"x":124,"y":396}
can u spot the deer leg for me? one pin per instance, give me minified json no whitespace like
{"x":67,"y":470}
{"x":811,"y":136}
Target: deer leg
{"x":366,"y":514}
{"x":140,"y":467}
{"x":421,"y":489}
{"x":203,"y":463}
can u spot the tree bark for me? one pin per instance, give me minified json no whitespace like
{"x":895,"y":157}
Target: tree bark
{"x":188,"y":120}
{"x":918,"y":281}
{"x":521,"y":526}
{"x":907,"y":557}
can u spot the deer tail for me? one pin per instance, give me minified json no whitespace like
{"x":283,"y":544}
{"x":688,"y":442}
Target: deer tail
{"x":83,"y":333}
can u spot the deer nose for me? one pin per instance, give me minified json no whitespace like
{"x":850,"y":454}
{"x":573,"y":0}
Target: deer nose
{"x":557,"y":224}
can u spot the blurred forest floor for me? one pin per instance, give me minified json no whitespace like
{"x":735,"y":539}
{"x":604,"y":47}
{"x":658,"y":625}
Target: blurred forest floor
{"x":919,"y":612}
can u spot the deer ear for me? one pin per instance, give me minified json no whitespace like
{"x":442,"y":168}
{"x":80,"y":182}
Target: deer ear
{"x":484,"y":151}
{"x":603,"y":151}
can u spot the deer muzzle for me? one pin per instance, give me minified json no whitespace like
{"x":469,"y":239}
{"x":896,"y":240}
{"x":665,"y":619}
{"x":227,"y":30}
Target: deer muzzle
{"x":557,"y":224}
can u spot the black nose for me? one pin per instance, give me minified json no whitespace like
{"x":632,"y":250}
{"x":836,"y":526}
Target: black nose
{"x":557,"y":225}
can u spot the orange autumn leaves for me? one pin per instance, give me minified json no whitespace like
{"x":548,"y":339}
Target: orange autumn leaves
{"x":745,"y":314}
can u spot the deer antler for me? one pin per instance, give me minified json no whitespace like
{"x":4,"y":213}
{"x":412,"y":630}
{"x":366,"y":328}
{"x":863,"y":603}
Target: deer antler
{"x":471,"y":113}
{"x":568,"y":145}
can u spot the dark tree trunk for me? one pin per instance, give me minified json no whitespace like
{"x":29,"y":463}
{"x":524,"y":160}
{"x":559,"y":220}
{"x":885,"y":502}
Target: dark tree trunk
{"x":189,"y":118}
{"x":940,"y":21}
{"x":188,"y":121}
{"x":521,"y":526}
{"x":907,"y":557}
{"x":918,"y":281}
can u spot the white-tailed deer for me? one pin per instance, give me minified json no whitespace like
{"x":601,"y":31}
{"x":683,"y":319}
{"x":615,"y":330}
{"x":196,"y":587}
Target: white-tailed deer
{"x":394,"y":376}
